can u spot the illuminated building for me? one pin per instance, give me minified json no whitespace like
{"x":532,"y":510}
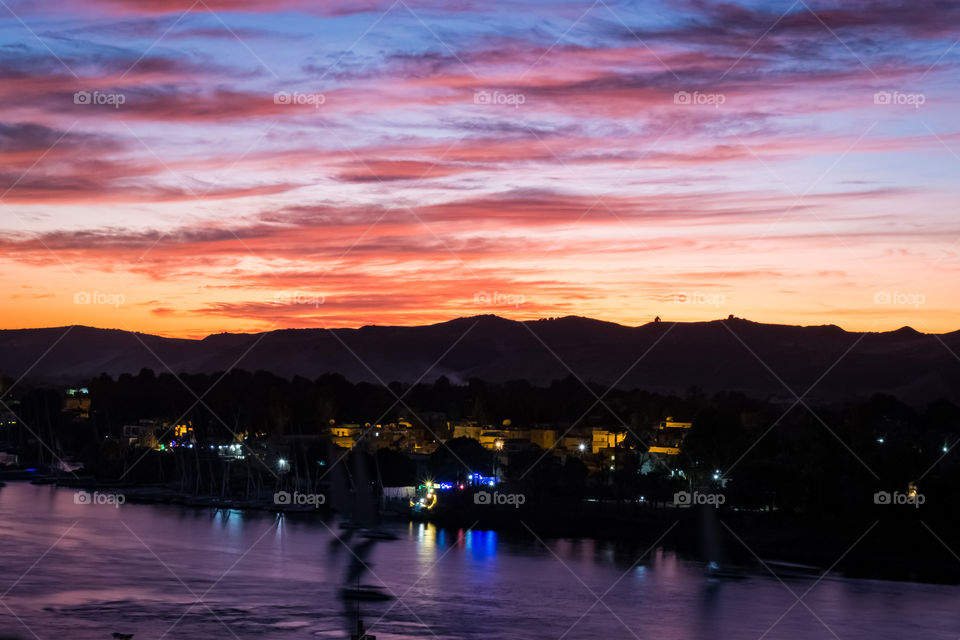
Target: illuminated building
{"x":77,"y":403}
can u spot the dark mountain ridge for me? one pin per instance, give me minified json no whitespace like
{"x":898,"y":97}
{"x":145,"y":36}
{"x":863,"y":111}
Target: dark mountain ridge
{"x":763,"y":360}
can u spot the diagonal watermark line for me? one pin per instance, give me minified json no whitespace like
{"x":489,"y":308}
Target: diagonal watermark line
{"x":639,"y":39}
{"x":818,"y":580}
{"x":374,"y":574}
{"x":198,"y":197}
{"x":200,"y":599}
{"x":386,"y":210}
{"x":178,"y":579}
{"x":43,"y":155}
{"x":412,"y":211}
{"x":422,"y":576}
{"x":19,"y":619}
{"x":439,"y":39}
{"x":798,"y":200}
{"x":38,"y":560}
{"x":363,"y":35}
{"x":21,"y":422}
{"x":939,"y":139}
{"x":557,"y":41}
{"x":758,"y":40}
{"x":834,"y":34}
{"x":600,"y":400}
{"x":580,"y":580}
{"x":944,"y":454}
{"x":239,"y":39}
{"x":948,"y":251}
{"x":600,"y":197}
{"x":800,"y":400}
{"x":940,"y":540}
{"x":937,"y":61}
{"x":199,"y":400}
{"x":39,"y":237}
{"x":36,"y":362}
{"x":398,"y":399}
{"x":158,"y":40}
{"x":798,"y":599}
{"x":40,"y":40}
{"x":618,"y":580}
{"x":796,"y":402}
{"x":24,"y":574}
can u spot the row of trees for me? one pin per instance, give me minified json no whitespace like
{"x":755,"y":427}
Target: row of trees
{"x":824,"y":463}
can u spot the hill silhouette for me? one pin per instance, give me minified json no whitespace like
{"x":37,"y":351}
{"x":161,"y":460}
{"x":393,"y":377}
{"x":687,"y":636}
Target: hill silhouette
{"x":763,"y":360}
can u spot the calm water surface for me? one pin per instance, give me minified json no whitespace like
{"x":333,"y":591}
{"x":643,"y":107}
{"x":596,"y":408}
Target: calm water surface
{"x":157,"y":571}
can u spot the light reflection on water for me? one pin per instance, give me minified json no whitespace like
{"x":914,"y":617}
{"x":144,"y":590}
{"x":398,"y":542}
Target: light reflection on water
{"x":153,"y":569}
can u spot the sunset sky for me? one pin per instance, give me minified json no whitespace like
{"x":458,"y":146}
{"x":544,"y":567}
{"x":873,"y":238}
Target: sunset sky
{"x":186,"y":168}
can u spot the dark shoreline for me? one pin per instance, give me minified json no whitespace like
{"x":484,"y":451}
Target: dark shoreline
{"x":743,"y":540}
{"x":760,"y":543}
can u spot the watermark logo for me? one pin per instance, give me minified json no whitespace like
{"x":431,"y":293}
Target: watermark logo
{"x":98,"y":297}
{"x":715,"y":300}
{"x":99,"y":98}
{"x":497,"y":299}
{"x":499,"y":98}
{"x":499,"y":499}
{"x":99,"y":498}
{"x":685,"y":499}
{"x":897,"y":98}
{"x":911,"y":497}
{"x":298,"y":298}
{"x":899,"y":298}
{"x":701,"y":98}
{"x":297,"y":499}
{"x":298,"y":98}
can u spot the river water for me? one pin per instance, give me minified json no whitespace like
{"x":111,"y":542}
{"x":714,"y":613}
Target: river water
{"x":157,"y":571}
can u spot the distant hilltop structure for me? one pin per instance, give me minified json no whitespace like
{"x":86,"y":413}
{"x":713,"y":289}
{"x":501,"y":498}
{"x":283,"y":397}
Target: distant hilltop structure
{"x":658,"y":320}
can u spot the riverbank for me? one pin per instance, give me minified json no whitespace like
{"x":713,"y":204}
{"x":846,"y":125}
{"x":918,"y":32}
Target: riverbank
{"x":891,"y":549}
{"x":108,"y":570}
{"x":895,"y":548}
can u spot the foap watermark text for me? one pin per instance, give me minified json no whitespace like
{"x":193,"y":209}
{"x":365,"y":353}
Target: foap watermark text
{"x":99,"y":498}
{"x":499,"y":98}
{"x":699,"y":98}
{"x":297,"y":499}
{"x":898,"y":98}
{"x":300,"y":98}
{"x":685,"y":499}
{"x":99,"y":98}
{"x":499,"y":499}
{"x":716,"y":300}
{"x":498,"y":299}
{"x":900,"y":299}
{"x":911,"y":498}
{"x":99,"y":297}
{"x":299,"y":298}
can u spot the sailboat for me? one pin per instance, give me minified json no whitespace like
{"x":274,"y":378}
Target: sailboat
{"x":361,"y":634}
{"x":366,"y":517}
{"x":713,"y":547}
